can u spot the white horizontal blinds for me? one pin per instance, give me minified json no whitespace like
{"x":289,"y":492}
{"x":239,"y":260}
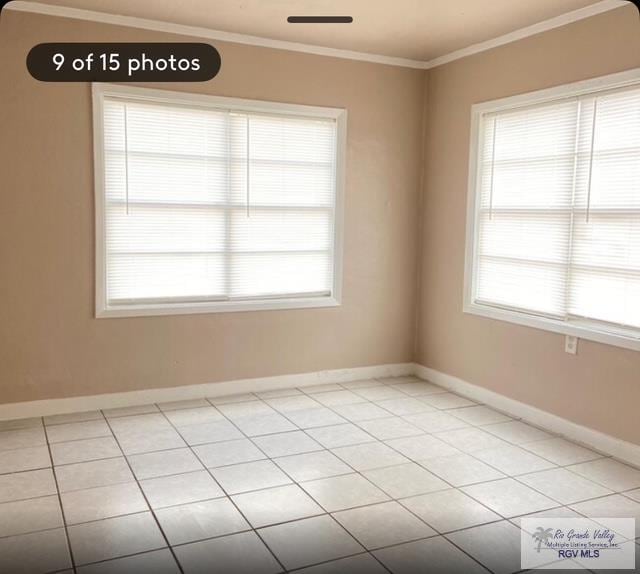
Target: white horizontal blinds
{"x":281,"y":224}
{"x":605,"y":276}
{"x":526,"y":187}
{"x":205,"y":204}
{"x":559,"y":214}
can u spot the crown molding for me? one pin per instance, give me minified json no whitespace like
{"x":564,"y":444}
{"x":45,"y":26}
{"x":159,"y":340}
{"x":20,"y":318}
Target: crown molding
{"x":170,"y":28}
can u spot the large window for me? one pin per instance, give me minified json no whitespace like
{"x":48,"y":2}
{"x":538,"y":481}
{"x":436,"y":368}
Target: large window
{"x":554,"y":210}
{"x":215,"y":204}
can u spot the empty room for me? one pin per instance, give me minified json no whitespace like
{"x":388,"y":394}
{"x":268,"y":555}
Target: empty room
{"x":319,"y":286}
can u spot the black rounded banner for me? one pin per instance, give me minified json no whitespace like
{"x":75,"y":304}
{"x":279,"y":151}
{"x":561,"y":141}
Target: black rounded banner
{"x":123,"y":62}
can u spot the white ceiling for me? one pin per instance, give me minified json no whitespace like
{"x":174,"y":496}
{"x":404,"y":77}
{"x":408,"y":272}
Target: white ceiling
{"x":415,"y":29}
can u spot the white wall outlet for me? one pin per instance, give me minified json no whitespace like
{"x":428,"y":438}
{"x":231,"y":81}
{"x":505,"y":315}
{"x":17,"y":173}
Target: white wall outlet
{"x":571,"y":344}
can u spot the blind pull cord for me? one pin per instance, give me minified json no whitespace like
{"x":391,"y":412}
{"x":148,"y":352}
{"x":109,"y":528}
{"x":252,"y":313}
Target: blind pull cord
{"x":126,"y":161}
{"x":248,"y":170}
{"x":593,"y":139}
{"x":493,"y":158}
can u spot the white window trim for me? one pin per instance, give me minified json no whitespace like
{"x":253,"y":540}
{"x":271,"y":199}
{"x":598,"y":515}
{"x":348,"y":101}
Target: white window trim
{"x":585,"y":329}
{"x":103,"y":309}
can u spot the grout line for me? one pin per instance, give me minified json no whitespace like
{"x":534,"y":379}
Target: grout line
{"x":62,"y":512}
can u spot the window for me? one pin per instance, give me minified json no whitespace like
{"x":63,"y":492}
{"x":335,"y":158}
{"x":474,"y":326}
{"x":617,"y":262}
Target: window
{"x":553,"y":237}
{"x":215,"y":204}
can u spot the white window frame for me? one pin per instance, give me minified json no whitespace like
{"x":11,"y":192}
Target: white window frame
{"x":610,"y":334}
{"x":103,"y":309}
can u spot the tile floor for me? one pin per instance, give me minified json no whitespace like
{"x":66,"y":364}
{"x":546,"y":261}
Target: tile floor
{"x":392,"y":475}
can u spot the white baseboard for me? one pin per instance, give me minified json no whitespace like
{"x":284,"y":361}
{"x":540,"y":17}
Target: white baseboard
{"x":143,"y":397}
{"x":597,"y":440}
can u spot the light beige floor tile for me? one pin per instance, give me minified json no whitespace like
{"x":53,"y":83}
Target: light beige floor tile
{"x":496,"y":545}
{"x":423,"y":447}
{"x":393,"y":427}
{"x":229,"y":452}
{"x":138,"y":442}
{"x":29,"y":484}
{"x":320,"y":417}
{"x":480,"y":415}
{"x":84,"y":450}
{"x":383,"y":525}
{"x":509,"y":498}
{"x":197,"y":416}
{"x":164,"y":463}
{"x":471,"y":440}
{"x":513,"y":460}
{"x":93,"y":474}
{"x":436,"y":421}
{"x":73,"y":418}
{"x":441,"y":556}
{"x":309,"y":541}
{"x":24,"y":516}
{"x":242,"y":553}
{"x":278,"y":393}
{"x":447,"y":401}
{"x":610,"y":473}
{"x":250,"y":476}
{"x":155,"y":562}
{"x":22,"y":438}
{"x":634,"y":494}
{"x":461,"y":469}
{"x":449,"y":510}
{"x":561,"y":451}
{"x":379,"y":393}
{"x":180,"y":489}
{"x":334,"y":398}
{"x":284,"y":444}
{"x":517,"y":432}
{"x":361,"y":412}
{"x":359,"y":564}
{"x":351,"y":385}
{"x":248,"y":409}
{"x":324,"y":388}
{"x":264,"y":424}
{"x":340,"y":435}
{"x":369,"y":455}
{"x":218,"y":431}
{"x":39,"y":552}
{"x":149,"y":422}
{"x":77,"y":431}
{"x":200,"y":520}
{"x":275,"y":505}
{"x":614,"y":506}
{"x":405,"y":480}
{"x":112,"y":538}
{"x":343,"y":492}
{"x":103,"y":502}
{"x":564,"y":486}
{"x":417,"y":388}
{"x":312,"y":465}
{"x":405,"y":406}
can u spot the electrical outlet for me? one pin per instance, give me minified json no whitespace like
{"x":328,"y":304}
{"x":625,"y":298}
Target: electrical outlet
{"x":571,"y":345}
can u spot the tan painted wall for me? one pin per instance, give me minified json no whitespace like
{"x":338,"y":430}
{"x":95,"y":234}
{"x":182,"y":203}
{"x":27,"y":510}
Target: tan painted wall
{"x":600,"y":387}
{"x":50,"y":344}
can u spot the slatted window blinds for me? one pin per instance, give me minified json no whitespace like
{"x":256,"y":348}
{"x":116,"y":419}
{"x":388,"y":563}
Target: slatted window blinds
{"x":206,"y":204}
{"x":557,"y":221}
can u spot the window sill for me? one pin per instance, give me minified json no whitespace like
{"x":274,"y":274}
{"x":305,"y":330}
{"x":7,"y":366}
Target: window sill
{"x":191,"y":308}
{"x":581,"y":329}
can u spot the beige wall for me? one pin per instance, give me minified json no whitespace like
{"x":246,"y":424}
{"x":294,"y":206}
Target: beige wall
{"x":600,"y":387}
{"x":50,"y":344}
